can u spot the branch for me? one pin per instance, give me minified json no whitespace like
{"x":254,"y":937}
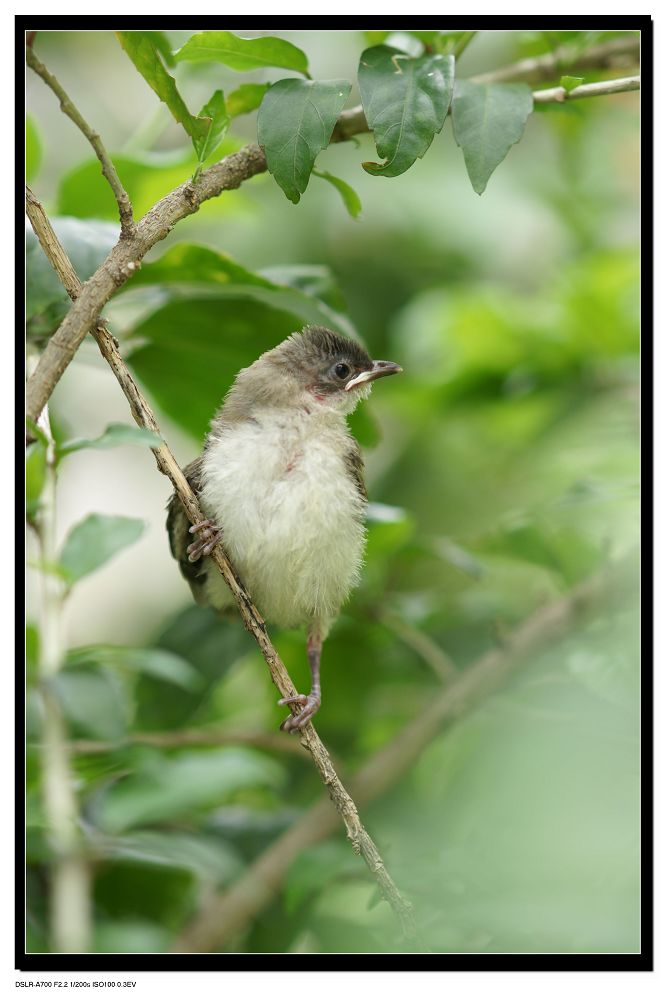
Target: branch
{"x":361,"y":841}
{"x":193,"y":738}
{"x":607,"y":55}
{"x":108,"y":169}
{"x":600,"y":89}
{"x":223,"y":917}
{"x":225,"y":175}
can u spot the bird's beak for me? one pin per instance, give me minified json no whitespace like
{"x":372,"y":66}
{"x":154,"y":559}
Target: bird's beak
{"x":378,"y":370}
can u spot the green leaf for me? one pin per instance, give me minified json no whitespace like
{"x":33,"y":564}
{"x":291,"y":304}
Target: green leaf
{"x":406,"y":101}
{"x":209,"y":858}
{"x":242,"y":54}
{"x":215,"y":110}
{"x":33,"y":148}
{"x":179,"y":784}
{"x":94,"y":540}
{"x":35,"y":472}
{"x":159,"y":663}
{"x":94,"y":703}
{"x":246,"y":98}
{"x":295,"y":122}
{"x":487,"y":120}
{"x":143,"y":50}
{"x":114,"y":435}
{"x":350,"y":198}
{"x":571,"y":82}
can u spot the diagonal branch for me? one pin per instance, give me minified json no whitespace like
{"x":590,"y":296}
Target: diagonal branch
{"x":361,"y":841}
{"x":108,"y":169}
{"x":226,"y":915}
{"x":225,"y":175}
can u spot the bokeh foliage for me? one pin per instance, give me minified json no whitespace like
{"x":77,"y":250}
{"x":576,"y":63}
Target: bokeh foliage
{"x":505,"y":461}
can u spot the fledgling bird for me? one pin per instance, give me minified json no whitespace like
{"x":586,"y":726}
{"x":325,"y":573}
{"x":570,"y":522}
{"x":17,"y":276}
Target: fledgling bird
{"x":280,"y":482}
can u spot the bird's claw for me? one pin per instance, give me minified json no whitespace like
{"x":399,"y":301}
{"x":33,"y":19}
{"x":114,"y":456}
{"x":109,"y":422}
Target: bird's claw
{"x":309,"y":704}
{"x":208,"y":538}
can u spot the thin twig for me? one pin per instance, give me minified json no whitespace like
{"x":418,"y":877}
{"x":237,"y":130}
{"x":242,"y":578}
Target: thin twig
{"x":361,"y":841}
{"x":227,"y":174}
{"x":601,"y":89}
{"x":567,"y":58}
{"x":108,"y":169}
{"x":223,"y":917}
{"x":193,"y":738}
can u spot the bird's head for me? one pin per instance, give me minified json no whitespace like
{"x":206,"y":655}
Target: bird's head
{"x":328,"y":369}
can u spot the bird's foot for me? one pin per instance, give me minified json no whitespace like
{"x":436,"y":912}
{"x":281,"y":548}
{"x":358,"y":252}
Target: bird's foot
{"x":308,"y":702}
{"x":208,"y":537}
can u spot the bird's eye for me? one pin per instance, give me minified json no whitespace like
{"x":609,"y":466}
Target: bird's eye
{"x":342,"y":370}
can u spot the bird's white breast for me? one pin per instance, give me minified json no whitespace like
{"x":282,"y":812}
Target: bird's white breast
{"x":290,"y":514}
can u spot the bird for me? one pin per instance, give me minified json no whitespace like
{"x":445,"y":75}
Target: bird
{"x":280,"y":481}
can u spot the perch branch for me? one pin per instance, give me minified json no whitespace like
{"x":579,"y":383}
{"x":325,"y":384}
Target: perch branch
{"x":600,"y":89}
{"x":126,"y":256}
{"x":223,"y":918}
{"x":108,"y":169}
{"x":361,"y":841}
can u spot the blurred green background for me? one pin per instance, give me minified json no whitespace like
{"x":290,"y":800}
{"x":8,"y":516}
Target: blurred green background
{"x":505,"y":461}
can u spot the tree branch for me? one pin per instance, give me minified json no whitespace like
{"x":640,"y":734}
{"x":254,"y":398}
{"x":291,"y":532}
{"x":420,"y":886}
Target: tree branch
{"x":108,"y":169}
{"x":225,"y":175}
{"x":567,"y":58}
{"x":600,"y":89}
{"x":223,"y":917}
{"x":361,"y":841}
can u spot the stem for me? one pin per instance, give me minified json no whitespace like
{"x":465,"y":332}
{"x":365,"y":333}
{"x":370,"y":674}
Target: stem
{"x":69,"y":901}
{"x":601,"y":89}
{"x":462,"y":44}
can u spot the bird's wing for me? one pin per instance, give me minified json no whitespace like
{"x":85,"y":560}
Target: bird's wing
{"x":178,"y":528}
{"x":354,"y":463}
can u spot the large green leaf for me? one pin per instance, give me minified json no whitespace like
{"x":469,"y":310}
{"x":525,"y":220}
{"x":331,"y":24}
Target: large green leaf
{"x":406,"y":101}
{"x":94,"y":540}
{"x":112,"y":437}
{"x":242,"y":54}
{"x":169,"y":787}
{"x":295,"y":122}
{"x":144,"y":51}
{"x":487,"y":120}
